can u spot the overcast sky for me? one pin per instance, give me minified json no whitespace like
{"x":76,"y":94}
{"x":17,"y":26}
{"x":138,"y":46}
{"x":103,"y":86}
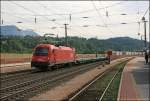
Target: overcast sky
{"x":88,"y":18}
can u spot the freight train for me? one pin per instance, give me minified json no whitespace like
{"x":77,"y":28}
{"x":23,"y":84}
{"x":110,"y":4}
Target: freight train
{"x":48,"y":56}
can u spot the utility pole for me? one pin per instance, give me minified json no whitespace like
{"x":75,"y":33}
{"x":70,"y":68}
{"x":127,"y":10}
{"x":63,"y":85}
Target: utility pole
{"x":2,"y":22}
{"x":141,"y":42}
{"x":145,"y":41}
{"x":149,"y":25}
{"x":66,"y":41}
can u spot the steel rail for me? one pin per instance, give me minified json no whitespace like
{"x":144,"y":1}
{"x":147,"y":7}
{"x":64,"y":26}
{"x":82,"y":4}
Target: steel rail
{"x":14,"y":74}
{"x":14,"y":77}
{"x":42,"y":77}
{"x":84,"y":88}
{"x":108,"y":85}
{"x":93,"y":81}
{"x":44,"y":83}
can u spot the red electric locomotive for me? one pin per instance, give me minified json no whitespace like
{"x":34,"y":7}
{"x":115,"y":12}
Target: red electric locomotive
{"x":47,"y":55}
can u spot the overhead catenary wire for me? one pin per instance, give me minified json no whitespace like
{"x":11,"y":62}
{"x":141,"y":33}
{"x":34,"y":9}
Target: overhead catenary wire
{"x":139,"y":24}
{"x":101,"y":16}
{"x":34,"y":20}
{"x":59,"y":15}
{"x":64,"y":13}
{"x":46,"y":8}
{"x":17,"y":16}
{"x":27,"y":20}
{"x":23,"y":7}
{"x":80,"y":12}
{"x":111,"y":24}
{"x":107,"y":14}
{"x":145,"y":12}
{"x":33,"y":13}
{"x":85,"y":11}
{"x":145,"y":23}
{"x":143,"y":15}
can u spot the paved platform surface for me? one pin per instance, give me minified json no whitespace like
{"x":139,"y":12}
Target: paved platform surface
{"x":135,"y":82}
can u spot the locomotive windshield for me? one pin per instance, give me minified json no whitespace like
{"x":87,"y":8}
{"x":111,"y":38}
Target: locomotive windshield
{"x":41,"y":51}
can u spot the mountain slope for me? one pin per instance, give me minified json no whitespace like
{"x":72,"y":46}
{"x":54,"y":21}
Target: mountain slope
{"x":11,"y":30}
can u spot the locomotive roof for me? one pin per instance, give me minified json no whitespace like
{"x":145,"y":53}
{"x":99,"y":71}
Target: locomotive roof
{"x":45,"y":45}
{"x":54,"y":47}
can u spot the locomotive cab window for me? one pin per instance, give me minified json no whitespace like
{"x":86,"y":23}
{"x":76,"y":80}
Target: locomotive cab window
{"x":41,"y":51}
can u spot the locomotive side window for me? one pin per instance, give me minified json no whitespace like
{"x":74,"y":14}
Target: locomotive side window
{"x":41,"y":51}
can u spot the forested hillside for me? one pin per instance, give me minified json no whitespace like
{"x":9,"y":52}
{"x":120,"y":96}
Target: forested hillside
{"x":20,"y":44}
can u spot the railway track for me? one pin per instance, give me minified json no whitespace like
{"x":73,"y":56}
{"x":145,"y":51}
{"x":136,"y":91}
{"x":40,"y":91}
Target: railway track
{"x":96,"y":89}
{"x":6,"y":76}
{"x":38,"y":82}
{"x":18,"y":78}
{"x":21,"y":78}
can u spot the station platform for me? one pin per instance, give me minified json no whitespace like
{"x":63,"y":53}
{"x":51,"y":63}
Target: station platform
{"x":135,"y":81}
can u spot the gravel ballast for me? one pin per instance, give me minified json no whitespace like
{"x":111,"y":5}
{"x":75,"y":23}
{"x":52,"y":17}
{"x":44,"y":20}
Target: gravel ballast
{"x":66,"y":89}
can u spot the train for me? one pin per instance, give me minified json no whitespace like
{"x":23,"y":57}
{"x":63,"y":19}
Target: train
{"x":49,"y":56}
